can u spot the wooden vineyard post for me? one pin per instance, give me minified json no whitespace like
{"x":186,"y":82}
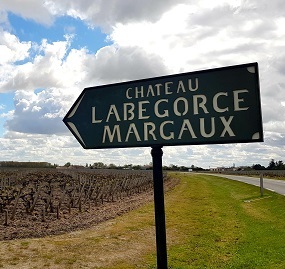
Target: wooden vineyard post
{"x":6,"y":217}
{"x":69,"y":207}
{"x":57,"y":212}
{"x":16,"y":204}
{"x":37,"y":195}
{"x":44,"y":214}
{"x":161,"y":250}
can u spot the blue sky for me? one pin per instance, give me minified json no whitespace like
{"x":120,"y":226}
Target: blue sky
{"x":50,"y":51}
{"x":28,"y":30}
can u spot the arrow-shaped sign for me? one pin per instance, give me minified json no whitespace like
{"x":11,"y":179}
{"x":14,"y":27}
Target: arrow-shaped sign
{"x":204,"y":107}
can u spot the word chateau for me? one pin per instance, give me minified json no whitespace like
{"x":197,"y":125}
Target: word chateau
{"x":173,"y":110}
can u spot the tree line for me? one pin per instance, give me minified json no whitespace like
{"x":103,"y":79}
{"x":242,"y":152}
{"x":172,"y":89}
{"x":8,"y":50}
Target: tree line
{"x":273,"y":165}
{"x":171,"y":167}
{"x":13,"y":164}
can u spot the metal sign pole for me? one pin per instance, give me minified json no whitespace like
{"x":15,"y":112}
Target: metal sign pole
{"x":161,"y":250}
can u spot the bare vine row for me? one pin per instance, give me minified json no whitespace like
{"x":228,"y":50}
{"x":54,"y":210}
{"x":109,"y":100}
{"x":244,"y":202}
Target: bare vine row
{"x":43,"y":195}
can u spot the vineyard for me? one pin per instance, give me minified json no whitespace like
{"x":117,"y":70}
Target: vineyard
{"x":49,"y":201}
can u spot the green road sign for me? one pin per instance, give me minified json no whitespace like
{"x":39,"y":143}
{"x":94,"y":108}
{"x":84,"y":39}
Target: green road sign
{"x":213,"y":106}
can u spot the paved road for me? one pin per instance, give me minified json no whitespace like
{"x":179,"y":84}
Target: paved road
{"x":277,"y":186}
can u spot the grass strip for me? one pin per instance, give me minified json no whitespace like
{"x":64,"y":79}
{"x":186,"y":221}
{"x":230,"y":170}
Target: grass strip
{"x":224,"y":224}
{"x":211,"y":223}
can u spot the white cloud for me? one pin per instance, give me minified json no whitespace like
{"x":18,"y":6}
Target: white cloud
{"x":61,"y":149}
{"x":53,"y":66}
{"x":39,"y":113}
{"x":188,"y":37}
{"x":278,"y":127}
{"x":7,"y":115}
{"x":109,"y":12}
{"x":31,"y":9}
{"x":56,"y":65}
{"x":112,"y":64}
{"x":11,"y":49}
{"x":4,"y":21}
{"x":97,"y":12}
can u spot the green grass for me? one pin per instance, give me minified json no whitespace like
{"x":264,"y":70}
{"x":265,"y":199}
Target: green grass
{"x":211,"y":223}
{"x":223,"y":224}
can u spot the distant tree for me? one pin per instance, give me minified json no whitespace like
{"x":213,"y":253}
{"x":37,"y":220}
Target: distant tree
{"x":173,"y":167}
{"x":280,"y":165}
{"x":67,"y":164}
{"x":271,"y":165}
{"x":112,"y":166}
{"x":137,"y":167}
{"x":26,"y":164}
{"x":183,"y":168}
{"x":164,"y":167}
{"x":128,"y":166}
{"x":196,"y":168}
{"x":99,"y":165}
{"x":258,"y":167}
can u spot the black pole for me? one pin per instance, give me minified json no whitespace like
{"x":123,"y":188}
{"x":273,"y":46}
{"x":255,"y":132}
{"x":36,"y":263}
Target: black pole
{"x":161,"y":251}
